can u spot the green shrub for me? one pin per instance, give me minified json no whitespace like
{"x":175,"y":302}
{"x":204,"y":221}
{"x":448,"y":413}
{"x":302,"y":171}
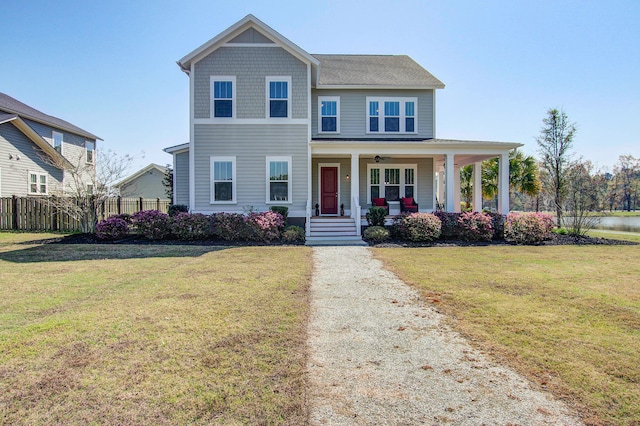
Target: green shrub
{"x":528,"y":228}
{"x":475,"y":226}
{"x":561,"y":231}
{"x":293,"y":234}
{"x":174,"y":209}
{"x":375,"y":216}
{"x":449,"y":225}
{"x":194,"y":226}
{"x":497,"y":221}
{"x":420,"y":227}
{"x":282,"y":210}
{"x":377,"y":234}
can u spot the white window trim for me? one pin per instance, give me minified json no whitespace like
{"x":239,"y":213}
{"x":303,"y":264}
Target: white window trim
{"x":232,"y":79}
{"x":335,"y":99}
{"x":402,"y":168}
{"x":53,"y":140}
{"x":403,"y":110}
{"x":289,"y":181}
{"x":86,"y":151}
{"x":38,"y":175}
{"x":269,"y":79}
{"x":233,"y":181}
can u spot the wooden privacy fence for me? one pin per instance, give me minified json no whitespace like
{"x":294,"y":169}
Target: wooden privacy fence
{"x":45,"y":214}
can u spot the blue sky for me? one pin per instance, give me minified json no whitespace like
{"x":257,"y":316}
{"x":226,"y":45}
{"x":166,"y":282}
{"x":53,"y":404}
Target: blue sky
{"x":110,"y":66}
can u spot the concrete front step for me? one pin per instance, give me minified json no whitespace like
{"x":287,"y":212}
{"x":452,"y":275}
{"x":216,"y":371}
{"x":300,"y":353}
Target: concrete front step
{"x":335,"y":241}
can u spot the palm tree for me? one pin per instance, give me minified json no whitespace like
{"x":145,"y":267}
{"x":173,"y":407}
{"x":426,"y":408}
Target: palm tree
{"x":524,"y":176}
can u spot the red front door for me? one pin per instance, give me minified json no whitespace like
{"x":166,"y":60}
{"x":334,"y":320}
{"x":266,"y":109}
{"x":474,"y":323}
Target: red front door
{"x":329,"y":190}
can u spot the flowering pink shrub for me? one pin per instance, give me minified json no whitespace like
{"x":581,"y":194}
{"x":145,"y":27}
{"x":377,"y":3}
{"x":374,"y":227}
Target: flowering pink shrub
{"x":153,"y":224}
{"x":528,"y":228}
{"x":194,"y":226}
{"x":113,"y":228}
{"x":230,"y":226}
{"x":449,"y":224}
{"x":266,"y":226}
{"x":475,"y":226}
{"x":420,"y":227}
{"x":497,"y":222}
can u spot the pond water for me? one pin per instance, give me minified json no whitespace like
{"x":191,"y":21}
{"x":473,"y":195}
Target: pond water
{"x":619,"y":223}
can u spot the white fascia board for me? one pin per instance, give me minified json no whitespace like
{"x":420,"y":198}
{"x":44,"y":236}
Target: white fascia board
{"x":236,"y":29}
{"x":38,"y":140}
{"x":374,"y":86}
{"x":177,"y":149}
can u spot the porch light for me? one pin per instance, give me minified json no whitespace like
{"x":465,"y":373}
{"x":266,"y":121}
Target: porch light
{"x":348,"y":177}
{"x":377,"y":158}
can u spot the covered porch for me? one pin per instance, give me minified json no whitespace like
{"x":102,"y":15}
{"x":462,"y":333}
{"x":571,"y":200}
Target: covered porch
{"x":346,"y":176}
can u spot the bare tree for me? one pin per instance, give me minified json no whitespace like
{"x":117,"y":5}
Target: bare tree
{"x":555,"y":144}
{"x":88,"y":182}
{"x":581,"y":199}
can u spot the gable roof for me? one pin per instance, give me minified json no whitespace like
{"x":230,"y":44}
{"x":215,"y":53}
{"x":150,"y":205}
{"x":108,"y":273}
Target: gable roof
{"x":13,"y":106}
{"x":237,"y":29}
{"x":141,"y":172}
{"x":374,"y":71}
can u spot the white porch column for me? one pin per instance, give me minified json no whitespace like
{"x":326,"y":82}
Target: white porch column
{"x":355,"y":184}
{"x":503,"y":184}
{"x":456,"y":185}
{"x":477,"y":187}
{"x":441,"y":185}
{"x":449,"y":183}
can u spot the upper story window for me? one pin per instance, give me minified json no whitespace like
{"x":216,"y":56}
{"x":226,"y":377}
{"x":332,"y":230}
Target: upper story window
{"x":328,"y":114}
{"x":57,"y":141}
{"x":391,"y":115}
{"x":278,"y":97}
{"x":90,"y":147}
{"x":223,"y":96}
{"x":223,"y":180}
{"x":37,"y":183}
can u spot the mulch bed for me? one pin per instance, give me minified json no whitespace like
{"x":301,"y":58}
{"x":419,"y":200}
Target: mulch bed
{"x":136,"y":239}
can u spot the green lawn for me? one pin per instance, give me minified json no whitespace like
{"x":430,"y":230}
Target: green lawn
{"x":125,"y":334}
{"x":566,"y":316}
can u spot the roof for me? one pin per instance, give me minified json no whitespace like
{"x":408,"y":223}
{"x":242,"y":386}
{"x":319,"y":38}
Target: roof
{"x":236,"y":29}
{"x":175,"y":149}
{"x":374,"y":71}
{"x":11,"y":105}
{"x":140,"y":172}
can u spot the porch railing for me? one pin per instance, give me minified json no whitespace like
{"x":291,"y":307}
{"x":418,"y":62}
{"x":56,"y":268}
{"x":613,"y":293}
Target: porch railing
{"x":308,"y":219}
{"x":356,"y":212}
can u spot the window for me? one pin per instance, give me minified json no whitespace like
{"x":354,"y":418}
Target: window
{"x":223,"y":180}
{"x":90,"y":189}
{"x":328,"y":114}
{"x":37,"y":183}
{"x":91,"y":150}
{"x":278,"y":179}
{"x":391,"y":182}
{"x":398,"y":115}
{"x":278,"y":97}
{"x":57,"y":141}
{"x":223,"y":96}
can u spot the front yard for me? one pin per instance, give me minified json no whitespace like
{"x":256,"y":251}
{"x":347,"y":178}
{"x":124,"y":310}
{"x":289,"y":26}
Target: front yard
{"x":125,"y":334}
{"x":567,"y":317}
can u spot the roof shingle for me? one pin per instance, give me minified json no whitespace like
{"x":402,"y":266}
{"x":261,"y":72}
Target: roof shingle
{"x":374,"y":70}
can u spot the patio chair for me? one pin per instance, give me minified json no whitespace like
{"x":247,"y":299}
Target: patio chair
{"x":380,"y":202}
{"x":408,"y":205}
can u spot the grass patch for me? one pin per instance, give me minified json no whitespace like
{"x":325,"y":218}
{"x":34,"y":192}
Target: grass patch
{"x":566,"y":316}
{"x":125,"y":334}
{"x":615,"y":235}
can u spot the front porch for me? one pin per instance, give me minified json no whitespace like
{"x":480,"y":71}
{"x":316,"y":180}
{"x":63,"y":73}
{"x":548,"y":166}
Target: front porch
{"x":346,"y":176}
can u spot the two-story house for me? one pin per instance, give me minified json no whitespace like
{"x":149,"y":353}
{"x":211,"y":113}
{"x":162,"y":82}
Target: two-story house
{"x":36,"y":148}
{"x":325,"y":135}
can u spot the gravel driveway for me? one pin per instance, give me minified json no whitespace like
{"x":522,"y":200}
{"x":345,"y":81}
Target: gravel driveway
{"x":379,"y":355}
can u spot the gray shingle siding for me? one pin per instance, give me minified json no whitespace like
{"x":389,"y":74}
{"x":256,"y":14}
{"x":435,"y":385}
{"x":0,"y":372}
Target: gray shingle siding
{"x":353,"y":113}
{"x":15,"y":173}
{"x":181,"y":178}
{"x":250,"y":144}
{"x":148,"y":185}
{"x":250,"y":65}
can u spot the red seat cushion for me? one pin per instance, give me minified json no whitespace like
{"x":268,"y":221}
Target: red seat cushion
{"x":378,"y":202}
{"x":408,"y":201}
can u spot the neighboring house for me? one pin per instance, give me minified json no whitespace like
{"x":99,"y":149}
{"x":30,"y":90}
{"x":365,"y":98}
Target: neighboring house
{"x":35,"y":148}
{"x":271,"y":124}
{"x":145,"y":183}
